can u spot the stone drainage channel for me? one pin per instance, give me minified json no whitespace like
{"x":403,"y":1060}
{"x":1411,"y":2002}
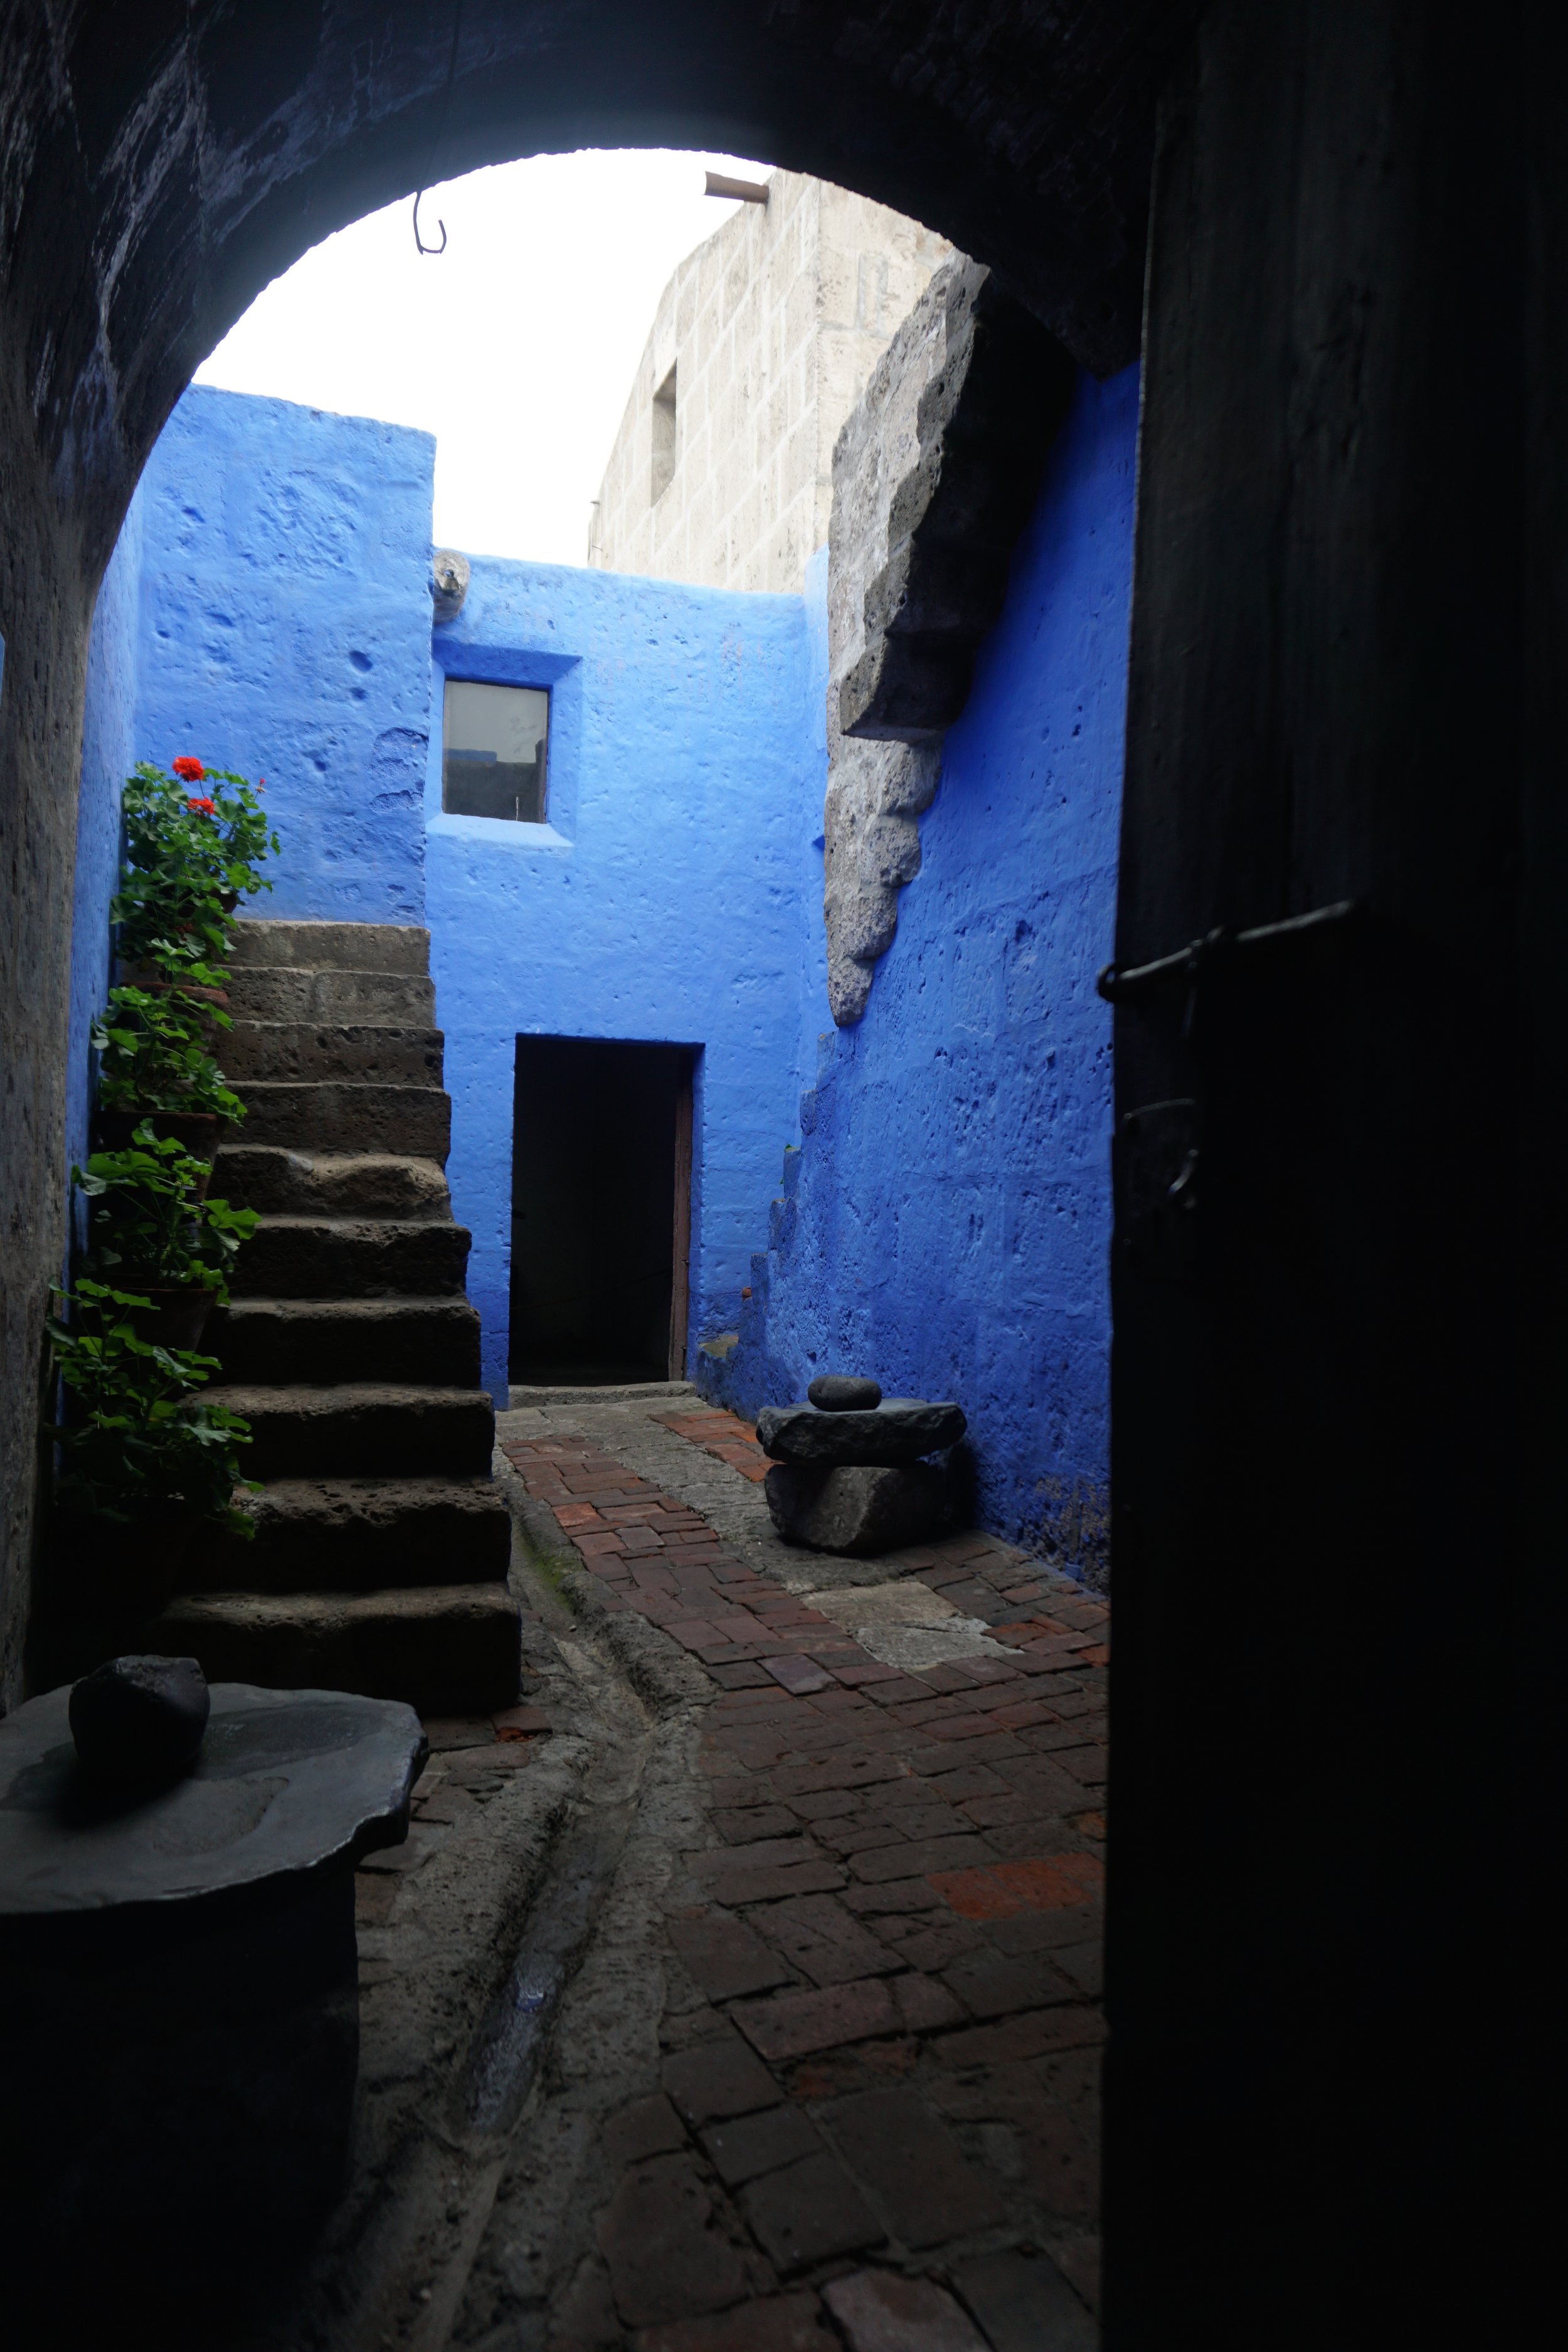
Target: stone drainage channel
{"x":736,"y":1991}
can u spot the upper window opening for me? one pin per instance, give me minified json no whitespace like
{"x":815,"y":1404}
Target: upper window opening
{"x":664,"y":436}
{"x":493,"y":743}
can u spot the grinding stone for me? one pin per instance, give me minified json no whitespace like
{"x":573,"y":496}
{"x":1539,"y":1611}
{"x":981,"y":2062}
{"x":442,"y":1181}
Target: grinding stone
{"x":286,"y":1782}
{"x":899,"y":1430}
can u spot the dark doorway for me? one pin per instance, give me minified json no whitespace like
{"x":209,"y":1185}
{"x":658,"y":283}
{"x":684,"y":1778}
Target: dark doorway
{"x":600,"y":1210}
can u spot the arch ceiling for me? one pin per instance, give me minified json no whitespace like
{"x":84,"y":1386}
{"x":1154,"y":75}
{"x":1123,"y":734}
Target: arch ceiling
{"x":159,"y":164}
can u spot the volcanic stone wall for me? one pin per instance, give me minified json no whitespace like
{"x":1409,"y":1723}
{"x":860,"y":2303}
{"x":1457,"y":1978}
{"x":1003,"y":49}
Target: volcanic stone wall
{"x":944,"y":1223}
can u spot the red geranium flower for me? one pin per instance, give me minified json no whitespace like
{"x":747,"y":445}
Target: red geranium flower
{"x":202,"y":808}
{"x":189,"y":771}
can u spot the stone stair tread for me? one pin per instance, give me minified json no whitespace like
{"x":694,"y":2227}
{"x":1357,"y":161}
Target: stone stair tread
{"x":341,"y":1534}
{"x":358,"y":1308}
{"x":315,"y":1026}
{"x":435,"y":1646}
{"x":362,"y":1429}
{"x":281,"y":1179}
{"x":349,"y":1114}
{"x":332,"y":947}
{"x":307,"y":1331}
{"x":305,"y":1396}
{"x":351,"y":1226}
{"x":306,"y":1498}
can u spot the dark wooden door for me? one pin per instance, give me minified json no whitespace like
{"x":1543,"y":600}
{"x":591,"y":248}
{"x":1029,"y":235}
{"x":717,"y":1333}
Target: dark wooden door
{"x":1339,"y":1408}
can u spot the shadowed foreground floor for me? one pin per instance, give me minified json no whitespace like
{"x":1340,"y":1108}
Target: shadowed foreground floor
{"x":737,"y":1992}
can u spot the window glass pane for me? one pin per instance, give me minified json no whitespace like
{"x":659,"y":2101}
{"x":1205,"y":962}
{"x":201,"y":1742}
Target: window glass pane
{"x":493,"y":746}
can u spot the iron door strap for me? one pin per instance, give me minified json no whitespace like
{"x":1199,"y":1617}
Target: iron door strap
{"x":1156,"y":1166}
{"x":1118,"y":984}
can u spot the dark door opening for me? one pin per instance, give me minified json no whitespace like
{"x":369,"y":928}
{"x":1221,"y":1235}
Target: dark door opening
{"x":600,"y":1210}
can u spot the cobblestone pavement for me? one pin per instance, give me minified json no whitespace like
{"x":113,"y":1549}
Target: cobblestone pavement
{"x":799,"y":1862}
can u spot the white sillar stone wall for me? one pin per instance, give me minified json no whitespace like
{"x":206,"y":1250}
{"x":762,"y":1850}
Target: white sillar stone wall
{"x":774,"y":327}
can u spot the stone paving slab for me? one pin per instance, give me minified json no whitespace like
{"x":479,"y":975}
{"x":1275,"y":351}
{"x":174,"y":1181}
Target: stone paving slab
{"x":879,"y":2118}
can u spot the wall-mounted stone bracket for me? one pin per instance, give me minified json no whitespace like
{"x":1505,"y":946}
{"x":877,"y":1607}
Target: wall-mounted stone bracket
{"x":934,"y":476}
{"x":985,"y":424}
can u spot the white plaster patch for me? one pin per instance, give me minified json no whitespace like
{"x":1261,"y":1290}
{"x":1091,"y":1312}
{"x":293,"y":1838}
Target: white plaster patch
{"x":906,"y":1624}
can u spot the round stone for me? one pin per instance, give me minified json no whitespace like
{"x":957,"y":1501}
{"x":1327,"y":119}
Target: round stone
{"x":838,"y":1392}
{"x":140,"y":1719}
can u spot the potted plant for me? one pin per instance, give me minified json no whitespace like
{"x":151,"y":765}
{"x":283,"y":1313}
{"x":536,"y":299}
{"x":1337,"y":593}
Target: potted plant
{"x":154,"y":1067}
{"x":190,"y":858}
{"x":151,"y":1230}
{"x":146,"y":1463}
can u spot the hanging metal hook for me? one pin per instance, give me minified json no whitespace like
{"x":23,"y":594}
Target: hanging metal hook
{"x":440,"y":138}
{"x":420,"y":245}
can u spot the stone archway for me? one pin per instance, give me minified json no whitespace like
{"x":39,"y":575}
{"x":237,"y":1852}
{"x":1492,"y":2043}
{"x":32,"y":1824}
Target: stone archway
{"x":1343,"y":1419}
{"x":158,"y":166}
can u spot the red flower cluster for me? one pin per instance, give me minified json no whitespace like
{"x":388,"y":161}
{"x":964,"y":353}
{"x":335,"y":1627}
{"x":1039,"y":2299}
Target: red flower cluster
{"x":203,"y":807}
{"x":189,"y":771}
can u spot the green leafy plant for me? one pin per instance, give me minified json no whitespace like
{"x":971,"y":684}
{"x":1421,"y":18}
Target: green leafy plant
{"x":153,"y":1054}
{"x":195,"y":838}
{"x":139,"y":1440}
{"x":148,"y":1224}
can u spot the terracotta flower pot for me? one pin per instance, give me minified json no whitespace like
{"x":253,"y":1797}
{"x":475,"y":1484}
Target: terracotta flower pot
{"x":177,"y":1319}
{"x":201,"y":1132}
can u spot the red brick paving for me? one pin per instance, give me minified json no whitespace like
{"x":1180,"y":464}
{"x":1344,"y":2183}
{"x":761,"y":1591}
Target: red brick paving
{"x":722,"y":1434}
{"x":892,"y":2098}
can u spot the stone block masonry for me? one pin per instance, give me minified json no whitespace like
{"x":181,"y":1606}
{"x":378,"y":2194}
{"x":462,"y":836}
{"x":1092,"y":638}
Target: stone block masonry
{"x":770,"y":330}
{"x":945,"y":1223}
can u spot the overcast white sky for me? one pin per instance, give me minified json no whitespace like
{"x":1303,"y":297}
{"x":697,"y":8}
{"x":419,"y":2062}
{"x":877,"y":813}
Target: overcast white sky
{"x":515,"y":347}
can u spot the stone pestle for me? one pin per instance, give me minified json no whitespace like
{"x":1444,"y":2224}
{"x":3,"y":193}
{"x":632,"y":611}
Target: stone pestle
{"x":140,"y":1719}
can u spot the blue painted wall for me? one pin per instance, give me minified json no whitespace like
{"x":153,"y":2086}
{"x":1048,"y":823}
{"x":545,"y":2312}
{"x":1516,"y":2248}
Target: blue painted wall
{"x":944,"y":1217}
{"x":666,"y":899}
{"x":945,"y":1224}
{"x":285,"y":633}
{"x":108,"y":754}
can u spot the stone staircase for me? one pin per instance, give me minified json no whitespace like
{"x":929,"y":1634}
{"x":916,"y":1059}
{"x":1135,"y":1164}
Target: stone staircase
{"x":381,"y":1546}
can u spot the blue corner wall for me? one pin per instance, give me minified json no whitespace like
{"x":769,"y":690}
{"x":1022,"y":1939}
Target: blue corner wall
{"x":665,"y":900}
{"x":285,"y":632}
{"x":944,"y":1225}
{"x":945,"y":1216}
{"x":108,"y":754}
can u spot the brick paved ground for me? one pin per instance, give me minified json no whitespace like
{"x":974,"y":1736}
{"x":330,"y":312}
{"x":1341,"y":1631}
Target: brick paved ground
{"x":722,"y":1435}
{"x":878,"y":2124}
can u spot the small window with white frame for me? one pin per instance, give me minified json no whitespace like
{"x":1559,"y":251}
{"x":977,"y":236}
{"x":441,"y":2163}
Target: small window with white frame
{"x":494,"y":747}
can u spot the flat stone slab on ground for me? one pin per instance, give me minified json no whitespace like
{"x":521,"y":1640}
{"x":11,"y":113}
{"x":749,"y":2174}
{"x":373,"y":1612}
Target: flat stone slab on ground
{"x":899,"y":1430}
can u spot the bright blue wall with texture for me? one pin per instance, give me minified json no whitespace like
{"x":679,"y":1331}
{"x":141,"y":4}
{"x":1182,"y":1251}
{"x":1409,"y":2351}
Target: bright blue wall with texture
{"x":107,"y":755}
{"x":285,"y":633}
{"x":666,"y":900}
{"x":945,"y":1224}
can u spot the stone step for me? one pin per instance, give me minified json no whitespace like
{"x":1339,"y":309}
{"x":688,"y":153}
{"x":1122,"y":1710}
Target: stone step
{"x":314,"y":1342}
{"x":358,"y":1535}
{"x":267,"y":991}
{"x":313,"y":1050}
{"x":338,"y":1115}
{"x":351,"y":1257}
{"x":332,"y":947}
{"x":447,"y":1649}
{"x":363,"y":1429}
{"x":284,"y":1184}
